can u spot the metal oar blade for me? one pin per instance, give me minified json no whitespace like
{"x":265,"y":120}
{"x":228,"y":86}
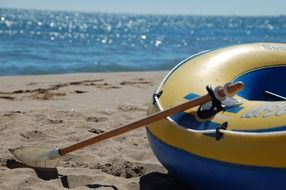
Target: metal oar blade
{"x":39,"y":157}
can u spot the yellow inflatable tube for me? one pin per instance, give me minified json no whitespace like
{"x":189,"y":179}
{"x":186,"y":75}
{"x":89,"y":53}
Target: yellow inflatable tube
{"x":255,"y":137}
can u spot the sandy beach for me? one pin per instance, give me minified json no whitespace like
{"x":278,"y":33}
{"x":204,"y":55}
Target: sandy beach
{"x":59,"y":110}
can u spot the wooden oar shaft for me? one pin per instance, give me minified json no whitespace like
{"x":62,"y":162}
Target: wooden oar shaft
{"x":150,"y":119}
{"x":136,"y":124}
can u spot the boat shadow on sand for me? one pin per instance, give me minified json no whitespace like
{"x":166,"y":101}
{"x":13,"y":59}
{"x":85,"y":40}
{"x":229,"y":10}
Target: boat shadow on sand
{"x":157,"y":180}
{"x":151,"y":181}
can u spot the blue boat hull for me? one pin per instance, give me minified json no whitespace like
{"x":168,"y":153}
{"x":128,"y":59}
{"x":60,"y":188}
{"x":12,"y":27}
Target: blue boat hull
{"x":207,"y":174}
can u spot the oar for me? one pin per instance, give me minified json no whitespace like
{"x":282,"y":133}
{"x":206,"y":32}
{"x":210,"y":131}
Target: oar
{"x":46,"y":157}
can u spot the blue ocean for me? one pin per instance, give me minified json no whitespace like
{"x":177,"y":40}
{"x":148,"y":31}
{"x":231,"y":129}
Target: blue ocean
{"x":49,"y":42}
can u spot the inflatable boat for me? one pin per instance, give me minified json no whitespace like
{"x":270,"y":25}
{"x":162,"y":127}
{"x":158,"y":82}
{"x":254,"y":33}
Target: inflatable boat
{"x":243,"y":146}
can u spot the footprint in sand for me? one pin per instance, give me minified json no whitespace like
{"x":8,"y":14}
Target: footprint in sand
{"x":34,"y":135}
{"x":98,"y":83}
{"x":55,"y":121}
{"x":96,"y":131}
{"x":8,"y":97}
{"x":124,"y":169}
{"x":44,"y":94}
{"x":96,"y":119}
{"x":130,"y":108}
{"x":50,"y":93}
{"x":129,"y":169}
{"x":12,"y":113}
{"x":137,"y":82}
{"x":80,"y":91}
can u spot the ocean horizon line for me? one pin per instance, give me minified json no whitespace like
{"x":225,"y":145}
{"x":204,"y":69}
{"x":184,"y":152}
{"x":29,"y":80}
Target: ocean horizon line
{"x":143,"y":14}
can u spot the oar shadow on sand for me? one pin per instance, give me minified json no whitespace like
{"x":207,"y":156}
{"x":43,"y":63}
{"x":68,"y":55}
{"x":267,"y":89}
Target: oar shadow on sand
{"x":43,"y":173}
{"x":68,"y":181}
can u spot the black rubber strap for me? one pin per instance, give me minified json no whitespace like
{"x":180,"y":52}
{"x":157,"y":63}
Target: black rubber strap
{"x":219,"y":134}
{"x":217,"y":106}
{"x":157,"y":95}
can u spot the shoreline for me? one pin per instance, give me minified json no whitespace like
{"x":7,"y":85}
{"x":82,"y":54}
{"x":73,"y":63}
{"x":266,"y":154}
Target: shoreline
{"x":59,"y":110}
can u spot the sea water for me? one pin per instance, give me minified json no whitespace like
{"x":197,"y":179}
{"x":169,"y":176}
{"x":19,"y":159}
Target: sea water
{"x":49,"y":42}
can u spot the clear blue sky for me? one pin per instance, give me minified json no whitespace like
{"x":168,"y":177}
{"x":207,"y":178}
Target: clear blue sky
{"x":189,"y":7}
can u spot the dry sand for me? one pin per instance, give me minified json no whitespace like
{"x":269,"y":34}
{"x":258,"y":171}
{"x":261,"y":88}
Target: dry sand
{"x":59,"y":110}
